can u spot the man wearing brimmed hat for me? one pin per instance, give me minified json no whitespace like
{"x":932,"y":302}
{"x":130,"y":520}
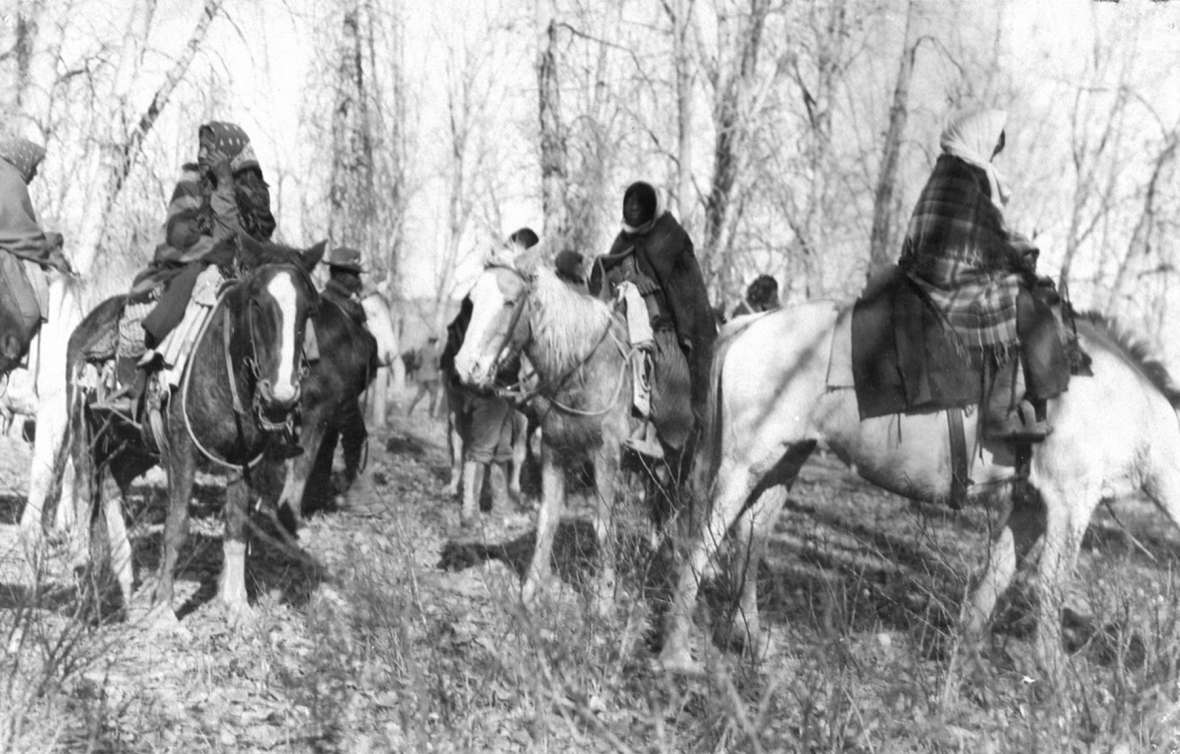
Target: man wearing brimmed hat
{"x":344,"y":281}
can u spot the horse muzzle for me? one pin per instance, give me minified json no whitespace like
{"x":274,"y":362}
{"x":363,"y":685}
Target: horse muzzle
{"x":275,"y":401}
{"x":474,"y":372}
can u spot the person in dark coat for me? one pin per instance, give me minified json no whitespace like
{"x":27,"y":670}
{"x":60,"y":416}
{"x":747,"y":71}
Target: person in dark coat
{"x":344,"y":284}
{"x":222,"y":195}
{"x":30,"y":250}
{"x":655,"y":254}
{"x":761,"y":296}
{"x":982,"y":276}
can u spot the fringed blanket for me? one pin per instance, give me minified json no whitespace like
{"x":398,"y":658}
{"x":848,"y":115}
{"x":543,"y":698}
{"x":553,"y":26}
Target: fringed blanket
{"x":961,"y":254}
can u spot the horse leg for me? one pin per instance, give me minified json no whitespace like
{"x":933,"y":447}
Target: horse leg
{"x":181,"y":468}
{"x":297,"y":471}
{"x":549,"y":516}
{"x":455,"y":446}
{"x":520,"y":451}
{"x":752,"y":533}
{"x":606,"y":469}
{"x":734,"y":484}
{"x":231,"y":585}
{"x":473,"y":474}
{"x":1064,"y":527}
{"x":1022,"y":524}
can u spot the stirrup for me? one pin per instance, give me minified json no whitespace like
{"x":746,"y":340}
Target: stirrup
{"x":1015,"y":429}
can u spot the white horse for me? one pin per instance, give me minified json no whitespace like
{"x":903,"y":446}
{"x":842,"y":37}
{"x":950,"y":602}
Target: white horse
{"x":578,"y":349}
{"x":379,"y":321}
{"x":772,"y":399}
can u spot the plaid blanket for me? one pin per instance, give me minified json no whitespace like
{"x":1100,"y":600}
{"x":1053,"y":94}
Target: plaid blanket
{"x":960,"y":252}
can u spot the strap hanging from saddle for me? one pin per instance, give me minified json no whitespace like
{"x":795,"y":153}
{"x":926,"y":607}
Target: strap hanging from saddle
{"x":958,"y":444}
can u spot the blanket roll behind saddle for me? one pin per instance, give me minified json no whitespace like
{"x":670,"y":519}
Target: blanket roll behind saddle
{"x":904,"y":357}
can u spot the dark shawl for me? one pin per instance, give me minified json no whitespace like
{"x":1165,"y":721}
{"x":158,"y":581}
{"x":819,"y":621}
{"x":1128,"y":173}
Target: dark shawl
{"x":20,"y":234}
{"x":665,"y":254}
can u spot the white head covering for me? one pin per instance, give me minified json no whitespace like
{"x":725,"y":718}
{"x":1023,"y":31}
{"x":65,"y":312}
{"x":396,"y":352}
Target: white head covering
{"x":972,"y":136}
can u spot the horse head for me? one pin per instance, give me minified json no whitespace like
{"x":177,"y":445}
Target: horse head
{"x":497,"y":328}
{"x":277,"y":298}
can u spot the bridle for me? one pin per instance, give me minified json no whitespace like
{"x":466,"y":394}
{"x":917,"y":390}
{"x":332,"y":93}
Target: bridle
{"x":251,"y":361}
{"x":517,"y":395}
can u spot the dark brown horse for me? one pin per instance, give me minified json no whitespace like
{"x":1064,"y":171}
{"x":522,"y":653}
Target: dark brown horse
{"x":242,"y":382}
{"x":330,"y":407}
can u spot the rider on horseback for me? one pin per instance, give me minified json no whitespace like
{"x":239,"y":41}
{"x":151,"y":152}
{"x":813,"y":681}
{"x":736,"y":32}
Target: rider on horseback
{"x":982,"y":276}
{"x":31,"y":251}
{"x":220,"y":196}
{"x":651,"y":266}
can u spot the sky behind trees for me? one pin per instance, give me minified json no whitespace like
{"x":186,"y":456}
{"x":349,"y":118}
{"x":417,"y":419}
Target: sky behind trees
{"x":1090,"y":88}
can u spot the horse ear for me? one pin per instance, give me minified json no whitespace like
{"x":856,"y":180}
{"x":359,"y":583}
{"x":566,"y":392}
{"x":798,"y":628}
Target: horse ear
{"x":310,"y":258}
{"x":249,"y":251}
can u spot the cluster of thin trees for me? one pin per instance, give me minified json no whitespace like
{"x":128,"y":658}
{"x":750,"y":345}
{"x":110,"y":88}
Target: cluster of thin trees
{"x":790,"y":136}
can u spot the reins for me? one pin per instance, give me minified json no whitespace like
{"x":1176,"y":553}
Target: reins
{"x":561,"y":381}
{"x":239,"y":411}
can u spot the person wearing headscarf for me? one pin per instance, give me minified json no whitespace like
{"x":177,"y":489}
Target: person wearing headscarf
{"x":30,"y":250}
{"x":980,"y":275}
{"x":220,"y":196}
{"x":761,"y":296}
{"x":653,"y":256}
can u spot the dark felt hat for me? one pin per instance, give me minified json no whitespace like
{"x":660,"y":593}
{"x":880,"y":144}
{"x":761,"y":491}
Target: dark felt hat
{"x":346,"y":258}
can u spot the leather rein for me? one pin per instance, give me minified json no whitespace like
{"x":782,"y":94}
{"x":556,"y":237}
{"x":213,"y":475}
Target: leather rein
{"x":241,"y":415}
{"x":520,"y":397}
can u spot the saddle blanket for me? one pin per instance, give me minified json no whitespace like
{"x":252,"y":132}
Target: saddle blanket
{"x":903,"y":357}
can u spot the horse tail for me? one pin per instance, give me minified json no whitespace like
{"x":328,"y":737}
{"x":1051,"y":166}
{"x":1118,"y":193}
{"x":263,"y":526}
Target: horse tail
{"x":708,"y":453}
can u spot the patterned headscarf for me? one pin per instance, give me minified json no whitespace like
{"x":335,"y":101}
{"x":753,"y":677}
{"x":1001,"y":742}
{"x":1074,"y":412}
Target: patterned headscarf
{"x":972,"y":137}
{"x":230,"y":140}
{"x":23,"y":155}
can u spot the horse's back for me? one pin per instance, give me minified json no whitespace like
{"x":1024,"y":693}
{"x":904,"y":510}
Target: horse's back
{"x":381,"y":326}
{"x":102,"y":320}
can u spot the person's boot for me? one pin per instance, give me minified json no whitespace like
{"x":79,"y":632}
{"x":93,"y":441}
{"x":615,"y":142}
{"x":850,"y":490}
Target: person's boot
{"x":1005,"y":420}
{"x":1018,"y":425}
{"x":645,"y":440}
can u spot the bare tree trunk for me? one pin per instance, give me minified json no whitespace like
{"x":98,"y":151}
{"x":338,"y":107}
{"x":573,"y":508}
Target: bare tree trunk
{"x":554,"y":171}
{"x":731,"y":110}
{"x":680,"y":14}
{"x":881,"y":252}
{"x":351,"y":191}
{"x":65,"y":305}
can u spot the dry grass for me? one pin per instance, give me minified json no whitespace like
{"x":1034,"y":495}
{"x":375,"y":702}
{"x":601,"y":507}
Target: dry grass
{"x":377,"y":648}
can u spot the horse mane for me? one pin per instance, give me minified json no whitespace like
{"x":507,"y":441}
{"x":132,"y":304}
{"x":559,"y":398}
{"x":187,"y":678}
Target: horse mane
{"x":1136,"y":350}
{"x":567,"y":324}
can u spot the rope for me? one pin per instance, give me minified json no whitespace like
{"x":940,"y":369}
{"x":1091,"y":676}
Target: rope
{"x":184,"y":383}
